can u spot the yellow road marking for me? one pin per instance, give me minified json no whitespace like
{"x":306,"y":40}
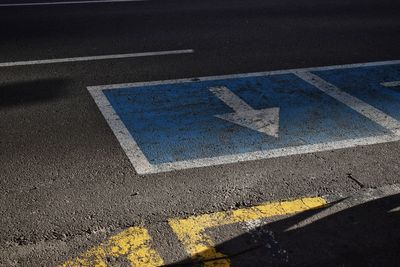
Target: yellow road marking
{"x":133,"y":244}
{"x":190,"y":231}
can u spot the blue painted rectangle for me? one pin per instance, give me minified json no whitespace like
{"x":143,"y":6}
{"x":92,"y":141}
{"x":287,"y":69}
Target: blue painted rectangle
{"x":176,"y":121}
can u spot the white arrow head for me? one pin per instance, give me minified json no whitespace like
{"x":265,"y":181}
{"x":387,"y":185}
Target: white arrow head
{"x":264,"y":120}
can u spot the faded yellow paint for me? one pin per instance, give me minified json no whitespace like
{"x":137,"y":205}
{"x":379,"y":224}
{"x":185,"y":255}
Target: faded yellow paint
{"x":132,"y":244}
{"x":190,"y":231}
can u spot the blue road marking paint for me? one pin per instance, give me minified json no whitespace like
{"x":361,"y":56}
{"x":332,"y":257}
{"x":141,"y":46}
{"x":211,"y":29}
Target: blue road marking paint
{"x":366,"y":84}
{"x":171,"y":125}
{"x":177,"y":122}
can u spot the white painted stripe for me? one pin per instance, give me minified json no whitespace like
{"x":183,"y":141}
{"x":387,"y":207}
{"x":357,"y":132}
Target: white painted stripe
{"x":244,"y":75}
{"x":127,"y":142}
{"x":92,"y":58}
{"x":358,"y":105}
{"x":68,"y":3}
{"x":273,"y":153}
{"x":143,"y":166}
{"x":391,"y":84}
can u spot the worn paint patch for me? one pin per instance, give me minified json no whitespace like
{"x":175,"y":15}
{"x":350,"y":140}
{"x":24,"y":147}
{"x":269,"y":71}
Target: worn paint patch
{"x":132,"y":245}
{"x":191,"y":231}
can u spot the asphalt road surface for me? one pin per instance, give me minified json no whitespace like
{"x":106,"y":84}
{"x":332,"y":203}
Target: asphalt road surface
{"x":68,"y":186}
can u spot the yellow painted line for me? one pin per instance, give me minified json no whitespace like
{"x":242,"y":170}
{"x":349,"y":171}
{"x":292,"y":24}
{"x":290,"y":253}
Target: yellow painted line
{"x":191,"y":231}
{"x":132,"y":244}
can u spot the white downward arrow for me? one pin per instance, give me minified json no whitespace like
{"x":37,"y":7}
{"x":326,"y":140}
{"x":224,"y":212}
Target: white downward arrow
{"x":263,"y":120}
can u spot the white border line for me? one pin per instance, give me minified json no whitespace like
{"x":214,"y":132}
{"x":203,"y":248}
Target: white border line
{"x":92,"y":58}
{"x":69,"y":3}
{"x":143,"y":166}
{"x":132,"y":150}
{"x":242,"y":75}
{"x":273,"y":153}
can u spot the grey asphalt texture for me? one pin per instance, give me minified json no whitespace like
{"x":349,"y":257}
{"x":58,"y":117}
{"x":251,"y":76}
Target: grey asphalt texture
{"x":63,"y":174}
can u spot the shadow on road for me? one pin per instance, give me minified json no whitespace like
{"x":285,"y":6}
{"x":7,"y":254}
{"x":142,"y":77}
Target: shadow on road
{"x":363,"y":235}
{"x":30,"y":92}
